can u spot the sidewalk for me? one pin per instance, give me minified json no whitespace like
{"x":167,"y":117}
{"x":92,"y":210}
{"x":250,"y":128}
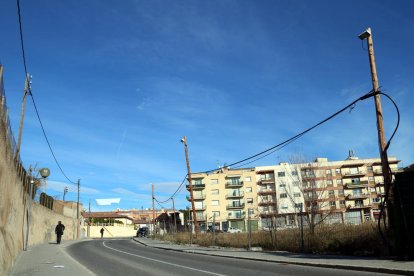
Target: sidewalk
{"x":48,"y":259}
{"x":329,"y":261}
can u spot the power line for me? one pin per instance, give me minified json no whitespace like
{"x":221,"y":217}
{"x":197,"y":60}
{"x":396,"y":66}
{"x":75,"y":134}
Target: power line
{"x":21,"y":37}
{"x":261,"y":155}
{"x":33,"y":100}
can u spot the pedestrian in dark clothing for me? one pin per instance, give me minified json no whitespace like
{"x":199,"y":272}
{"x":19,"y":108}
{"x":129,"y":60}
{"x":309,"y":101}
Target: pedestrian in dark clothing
{"x":59,"y":231}
{"x":102,"y":231}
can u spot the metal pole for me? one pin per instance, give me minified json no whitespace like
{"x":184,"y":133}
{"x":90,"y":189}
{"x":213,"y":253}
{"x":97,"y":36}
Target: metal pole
{"x":214,"y":229}
{"x":77,"y":212}
{"x":380,"y":124}
{"x":184,"y":140}
{"x":153,"y":211}
{"x":302,"y":243}
{"x":175,"y":220}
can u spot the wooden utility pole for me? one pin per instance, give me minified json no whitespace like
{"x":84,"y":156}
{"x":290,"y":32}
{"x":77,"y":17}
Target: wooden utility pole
{"x":153,"y":210}
{"x":380,"y":125}
{"x":190,"y":184}
{"x":26,"y":90}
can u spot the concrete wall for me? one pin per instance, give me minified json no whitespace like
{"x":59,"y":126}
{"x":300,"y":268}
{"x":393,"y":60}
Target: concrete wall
{"x":22,"y":221}
{"x":110,"y":231}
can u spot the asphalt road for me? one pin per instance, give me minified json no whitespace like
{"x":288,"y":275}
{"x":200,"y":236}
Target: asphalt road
{"x":127,"y":257}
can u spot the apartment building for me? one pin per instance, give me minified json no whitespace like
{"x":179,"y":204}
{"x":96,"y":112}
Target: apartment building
{"x":225,"y":198}
{"x":348,"y":191}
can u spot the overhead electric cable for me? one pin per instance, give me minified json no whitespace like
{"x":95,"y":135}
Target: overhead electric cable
{"x":282,"y":144}
{"x":30,"y":93}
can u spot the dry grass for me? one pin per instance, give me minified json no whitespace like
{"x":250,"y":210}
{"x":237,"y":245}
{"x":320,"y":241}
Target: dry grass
{"x":328,"y":239}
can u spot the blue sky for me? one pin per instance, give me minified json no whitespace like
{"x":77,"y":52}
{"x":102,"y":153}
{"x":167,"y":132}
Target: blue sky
{"x":119,"y":83}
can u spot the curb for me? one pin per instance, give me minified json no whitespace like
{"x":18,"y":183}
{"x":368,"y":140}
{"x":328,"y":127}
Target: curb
{"x":334,"y":266}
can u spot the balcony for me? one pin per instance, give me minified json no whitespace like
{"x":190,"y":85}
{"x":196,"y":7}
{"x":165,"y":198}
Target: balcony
{"x":200,"y":208}
{"x":377,"y":171}
{"x":268,"y":214}
{"x":354,"y":174}
{"x":196,"y":186}
{"x":266,"y":181}
{"x":267,"y":203}
{"x":235,"y":206}
{"x":234,"y":184}
{"x":236,"y":217}
{"x":235,"y":195}
{"x":360,"y":184}
{"x":200,"y":218}
{"x":359,"y":206}
{"x":196,"y":197}
{"x":357,"y":196}
{"x":379,"y":183}
{"x":266,"y":192}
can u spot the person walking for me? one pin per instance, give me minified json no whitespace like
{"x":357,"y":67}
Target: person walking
{"x":102,"y":231}
{"x":59,"y":231}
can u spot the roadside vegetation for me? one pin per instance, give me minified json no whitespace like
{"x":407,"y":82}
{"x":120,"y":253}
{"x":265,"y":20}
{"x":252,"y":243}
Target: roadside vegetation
{"x":357,"y":240}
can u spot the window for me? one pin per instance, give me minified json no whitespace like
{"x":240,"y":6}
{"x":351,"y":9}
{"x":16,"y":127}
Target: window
{"x":373,"y":190}
{"x":355,"y":180}
{"x":280,"y":174}
{"x":328,"y":172}
{"x":214,"y":181}
{"x":376,"y":200}
{"x":215,"y":202}
{"x":294,"y":173}
{"x":248,"y":179}
{"x":215,"y":192}
{"x":371,"y":179}
{"x":216,"y":214}
{"x":369,"y":168}
{"x":282,"y":185}
{"x":340,"y":192}
{"x":248,"y":189}
{"x":332,"y":203}
{"x":339,"y":181}
{"x":283,"y":206}
{"x":295,"y":183}
{"x":249,"y":200}
{"x":296,"y":194}
{"x":353,"y":170}
{"x":338,"y":171}
{"x":331,"y":193}
{"x":342,"y":202}
{"x":283,"y":195}
{"x":329,"y":182}
{"x":198,"y":181}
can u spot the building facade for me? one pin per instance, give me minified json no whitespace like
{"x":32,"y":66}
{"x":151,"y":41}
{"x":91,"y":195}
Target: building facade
{"x":284,"y":195}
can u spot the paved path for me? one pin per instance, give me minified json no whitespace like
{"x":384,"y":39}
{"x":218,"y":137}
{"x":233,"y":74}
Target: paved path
{"x":343,"y":262}
{"x":51,"y":259}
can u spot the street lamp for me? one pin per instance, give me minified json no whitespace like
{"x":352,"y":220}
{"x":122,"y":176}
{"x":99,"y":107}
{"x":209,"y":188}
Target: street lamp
{"x":45,"y":172}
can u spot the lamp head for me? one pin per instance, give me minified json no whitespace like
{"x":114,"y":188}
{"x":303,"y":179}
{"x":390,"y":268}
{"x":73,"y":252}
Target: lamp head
{"x":45,"y":172}
{"x":365,"y":34}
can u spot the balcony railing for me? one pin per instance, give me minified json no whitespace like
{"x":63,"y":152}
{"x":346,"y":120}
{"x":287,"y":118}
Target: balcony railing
{"x":351,"y":174}
{"x":200,"y":208}
{"x":235,"y":206}
{"x":359,"y":206}
{"x":266,"y":181}
{"x":196,"y":197}
{"x":267,"y":203}
{"x":357,"y":196}
{"x":233,"y":184}
{"x":236,"y":217}
{"x":200,"y":218}
{"x":266,"y":192}
{"x":196,"y":186}
{"x":235,"y":195}
{"x":359,"y":184}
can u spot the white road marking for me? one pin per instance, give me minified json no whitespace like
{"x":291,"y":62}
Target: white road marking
{"x":163,"y":262}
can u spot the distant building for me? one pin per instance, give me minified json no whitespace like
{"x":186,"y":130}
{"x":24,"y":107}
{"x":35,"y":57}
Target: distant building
{"x":348,"y":191}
